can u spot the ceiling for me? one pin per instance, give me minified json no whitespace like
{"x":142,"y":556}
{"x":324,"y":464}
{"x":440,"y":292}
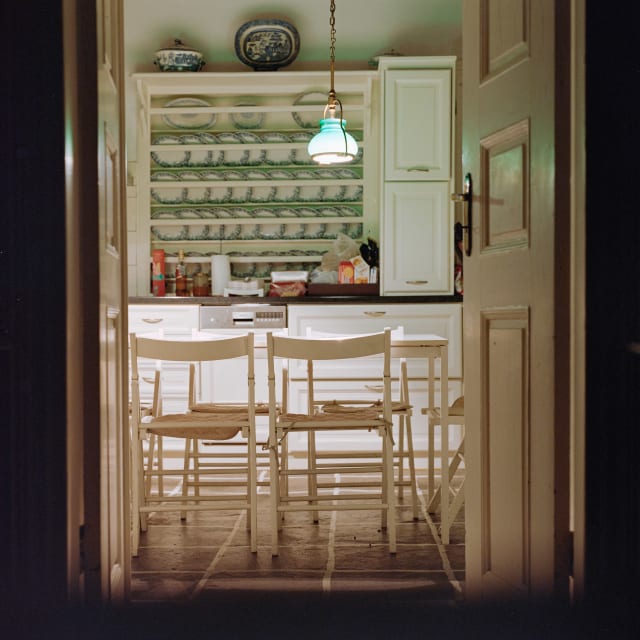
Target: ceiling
{"x":364,"y":28}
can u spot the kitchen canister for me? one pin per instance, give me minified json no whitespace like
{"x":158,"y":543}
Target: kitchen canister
{"x":220,"y":274}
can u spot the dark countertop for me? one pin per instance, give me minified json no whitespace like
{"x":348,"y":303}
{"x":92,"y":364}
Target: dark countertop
{"x":226,"y":301}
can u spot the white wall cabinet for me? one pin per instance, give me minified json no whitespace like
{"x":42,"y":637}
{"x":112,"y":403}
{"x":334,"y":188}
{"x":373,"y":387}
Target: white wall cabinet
{"x":417,"y":124}
{"x":417,"y":252}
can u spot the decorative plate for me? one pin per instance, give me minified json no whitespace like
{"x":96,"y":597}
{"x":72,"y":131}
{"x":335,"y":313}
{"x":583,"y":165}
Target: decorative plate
{"x":166,"y":140}
{"x":310,"y":119}
{"x":228,"y":137}
{"x":247,"y":137}
{"x":189,"y":120}
{"x":208,"y":138}
{"x":267,"y":45}
{"x":247,"y":119}
{"x":190,"y":138}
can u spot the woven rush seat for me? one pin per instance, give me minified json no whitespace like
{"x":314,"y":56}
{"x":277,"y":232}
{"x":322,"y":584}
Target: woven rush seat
{"x":336,"y":407}
{"x":213,"y":407}
{"x":182,"y":425}
{"x":363,"y":414}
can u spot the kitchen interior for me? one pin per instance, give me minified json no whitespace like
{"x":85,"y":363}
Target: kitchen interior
{"x":233,"y":227}
{"x":39,"y":527}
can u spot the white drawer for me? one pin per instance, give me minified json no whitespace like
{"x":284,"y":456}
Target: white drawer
{"x":172,"y":319}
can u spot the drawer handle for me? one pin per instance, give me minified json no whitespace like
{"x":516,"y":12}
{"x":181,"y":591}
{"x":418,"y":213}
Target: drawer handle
{"x":417,"y":282}
{"x":375,"y":314}
{"x":152,"y":320}
{"x":425,"y":169}
{"x":374,"y":387}
{"x":149,"y":380}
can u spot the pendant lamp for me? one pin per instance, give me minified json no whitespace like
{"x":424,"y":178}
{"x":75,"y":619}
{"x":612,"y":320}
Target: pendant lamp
{"x":332,"y":144}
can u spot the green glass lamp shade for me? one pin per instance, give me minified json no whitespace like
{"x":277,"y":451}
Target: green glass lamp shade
{"x":332,"y":144}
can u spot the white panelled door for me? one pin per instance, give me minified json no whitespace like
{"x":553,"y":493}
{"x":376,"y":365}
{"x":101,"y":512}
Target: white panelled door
{"x":517,"y":456}
{"x":114,"y":433}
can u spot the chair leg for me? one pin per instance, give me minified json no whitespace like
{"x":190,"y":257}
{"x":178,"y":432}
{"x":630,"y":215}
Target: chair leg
{"x":252,"y":488}
{"x":457,"y":459}
{"x":389,"y":489}
{"x":137,"y":491}
{"x":408,"y":435}
{"x":284,"y":478}
{"x":412,"y":468}
{"x":401,"y":436}
{"x":431,"y":482}
{"x":150,"y":456}
{"x":312,"y":478}
{"x":160,"y":465}
{"x":274,"y":498}
{"x":186,"y":467}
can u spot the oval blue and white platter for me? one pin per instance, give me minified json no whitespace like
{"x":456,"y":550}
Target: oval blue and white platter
{"x":267,"y":45}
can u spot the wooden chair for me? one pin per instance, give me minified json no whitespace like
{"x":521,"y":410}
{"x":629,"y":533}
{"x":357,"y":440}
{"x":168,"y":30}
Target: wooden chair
{"x":205,"y":454}
{"x":283,"y":424}
{"x":193,"y":426}
{"x":456,"y":494}
{"x":402,"y":411}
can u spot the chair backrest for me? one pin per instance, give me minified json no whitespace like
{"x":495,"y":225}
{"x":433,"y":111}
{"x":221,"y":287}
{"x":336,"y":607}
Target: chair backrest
{"x":396,"y":334}
{"x":330,"y":348}
{"x":199,"y":348}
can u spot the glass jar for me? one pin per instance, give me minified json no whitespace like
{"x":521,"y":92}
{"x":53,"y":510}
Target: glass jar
{"x":200,"y":284}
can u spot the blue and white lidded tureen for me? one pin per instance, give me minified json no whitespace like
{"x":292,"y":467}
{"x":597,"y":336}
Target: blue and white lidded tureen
{"x":179,"y":57}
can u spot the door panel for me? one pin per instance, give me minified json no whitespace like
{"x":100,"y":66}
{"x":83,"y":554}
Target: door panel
{"x":505,"y":169}
{"x":517,"y":458}
{"x":505,"y":340}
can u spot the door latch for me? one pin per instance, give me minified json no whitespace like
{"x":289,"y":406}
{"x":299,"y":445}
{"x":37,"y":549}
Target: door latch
{"x":466,"y":198}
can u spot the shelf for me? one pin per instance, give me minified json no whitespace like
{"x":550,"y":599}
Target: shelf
{"x":214,"y":186}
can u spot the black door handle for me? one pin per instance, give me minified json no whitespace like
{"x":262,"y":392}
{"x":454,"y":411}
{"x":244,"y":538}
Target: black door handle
{"x":466,"y":198}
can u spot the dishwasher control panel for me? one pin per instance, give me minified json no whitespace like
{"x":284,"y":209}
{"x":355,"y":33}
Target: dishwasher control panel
{"x":244,"y":316}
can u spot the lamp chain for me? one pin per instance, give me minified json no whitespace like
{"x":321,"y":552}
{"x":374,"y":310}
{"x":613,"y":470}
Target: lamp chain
{"x":332,"y":53}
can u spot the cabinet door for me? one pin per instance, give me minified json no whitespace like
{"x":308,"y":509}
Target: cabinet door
{"x":417,"y":252}
{"x":417,"y":124}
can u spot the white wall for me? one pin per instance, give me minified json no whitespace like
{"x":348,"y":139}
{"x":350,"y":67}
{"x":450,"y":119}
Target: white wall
{"x":364,"y":28}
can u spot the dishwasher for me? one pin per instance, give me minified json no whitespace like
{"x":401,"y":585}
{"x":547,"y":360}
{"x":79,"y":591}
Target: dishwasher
{"x":240,"y":318}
